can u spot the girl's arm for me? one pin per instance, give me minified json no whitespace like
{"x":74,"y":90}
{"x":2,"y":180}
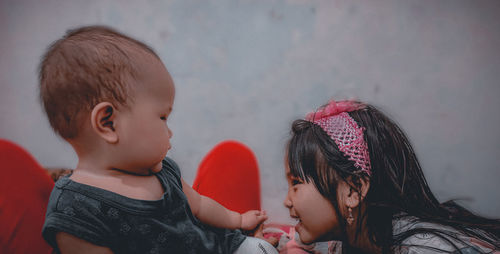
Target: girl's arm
{"x":68,"y":243}
{"x":214,"y":214}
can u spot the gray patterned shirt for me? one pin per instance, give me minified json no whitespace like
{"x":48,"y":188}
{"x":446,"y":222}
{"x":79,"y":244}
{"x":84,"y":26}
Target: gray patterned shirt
{"x":128,"y":225}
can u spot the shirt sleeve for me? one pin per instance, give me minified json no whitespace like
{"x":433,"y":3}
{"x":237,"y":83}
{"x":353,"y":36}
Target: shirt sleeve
{"x":78,"y":215}
{"x":172,"y":171}
{"x":430,"y":243}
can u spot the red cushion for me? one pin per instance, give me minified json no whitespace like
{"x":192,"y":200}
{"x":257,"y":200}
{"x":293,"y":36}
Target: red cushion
{"x":229,"y":174}
{"x":24,"y":192}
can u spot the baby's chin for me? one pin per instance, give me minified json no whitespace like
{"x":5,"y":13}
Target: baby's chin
{"x":157,"y":168}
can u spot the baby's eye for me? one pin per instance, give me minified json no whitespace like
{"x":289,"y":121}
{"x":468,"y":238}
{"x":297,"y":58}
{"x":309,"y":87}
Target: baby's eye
{"x":164,"y":118}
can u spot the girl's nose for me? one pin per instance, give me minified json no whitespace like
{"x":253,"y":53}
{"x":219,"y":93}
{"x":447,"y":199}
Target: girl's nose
{"x":287,"y":202}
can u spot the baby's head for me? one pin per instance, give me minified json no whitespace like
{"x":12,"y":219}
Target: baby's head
{"x":88,"y":65}
{"x":93,"y":83}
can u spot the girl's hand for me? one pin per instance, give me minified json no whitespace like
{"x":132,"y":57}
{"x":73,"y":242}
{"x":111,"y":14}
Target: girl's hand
{"x":259,"y":233}
{"x":251,"y":219}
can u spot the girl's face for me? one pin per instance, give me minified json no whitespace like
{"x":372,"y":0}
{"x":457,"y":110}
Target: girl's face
{"x":317,"y":219}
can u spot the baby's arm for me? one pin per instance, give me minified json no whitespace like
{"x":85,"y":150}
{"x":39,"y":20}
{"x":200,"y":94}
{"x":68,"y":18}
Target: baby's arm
{"x":214,"y":214}
{"x":68,"y":243}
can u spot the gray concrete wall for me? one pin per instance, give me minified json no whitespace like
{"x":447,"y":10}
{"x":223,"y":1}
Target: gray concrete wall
{"x":245,"y":69}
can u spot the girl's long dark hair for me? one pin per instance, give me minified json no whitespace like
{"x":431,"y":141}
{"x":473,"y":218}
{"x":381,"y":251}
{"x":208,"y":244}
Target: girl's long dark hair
{"x":398,"y":189}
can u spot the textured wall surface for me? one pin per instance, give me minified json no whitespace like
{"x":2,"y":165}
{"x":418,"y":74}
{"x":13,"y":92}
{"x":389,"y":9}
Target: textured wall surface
{"x":246,"y":69}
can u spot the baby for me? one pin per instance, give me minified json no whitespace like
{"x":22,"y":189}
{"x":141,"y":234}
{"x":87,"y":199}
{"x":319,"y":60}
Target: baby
{"x":109,"y":96}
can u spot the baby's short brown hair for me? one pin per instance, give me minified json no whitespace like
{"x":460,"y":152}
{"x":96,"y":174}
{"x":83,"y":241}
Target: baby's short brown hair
{"x":87,"y":66}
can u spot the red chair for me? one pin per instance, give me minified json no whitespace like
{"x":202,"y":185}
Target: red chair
{"x":229,"y":174}
{"x":24,"y":192}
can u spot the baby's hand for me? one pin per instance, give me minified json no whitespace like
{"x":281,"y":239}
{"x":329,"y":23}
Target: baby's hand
{"x":251,"y":219}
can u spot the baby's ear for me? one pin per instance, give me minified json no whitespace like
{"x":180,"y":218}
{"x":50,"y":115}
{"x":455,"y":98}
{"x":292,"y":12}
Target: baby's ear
{"x":102,"y":119}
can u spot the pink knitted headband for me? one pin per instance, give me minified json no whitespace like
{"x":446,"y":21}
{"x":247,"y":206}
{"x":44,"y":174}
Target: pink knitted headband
{"x":345,"y":132}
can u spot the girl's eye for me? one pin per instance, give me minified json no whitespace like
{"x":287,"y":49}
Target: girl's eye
{"x":296,"y":181}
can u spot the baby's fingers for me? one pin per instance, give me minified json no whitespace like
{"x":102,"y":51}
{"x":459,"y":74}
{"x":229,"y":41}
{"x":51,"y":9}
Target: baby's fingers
{"x":262,"y":216}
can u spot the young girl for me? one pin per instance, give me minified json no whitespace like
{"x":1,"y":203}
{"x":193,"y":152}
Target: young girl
{"x":353,"y":176}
